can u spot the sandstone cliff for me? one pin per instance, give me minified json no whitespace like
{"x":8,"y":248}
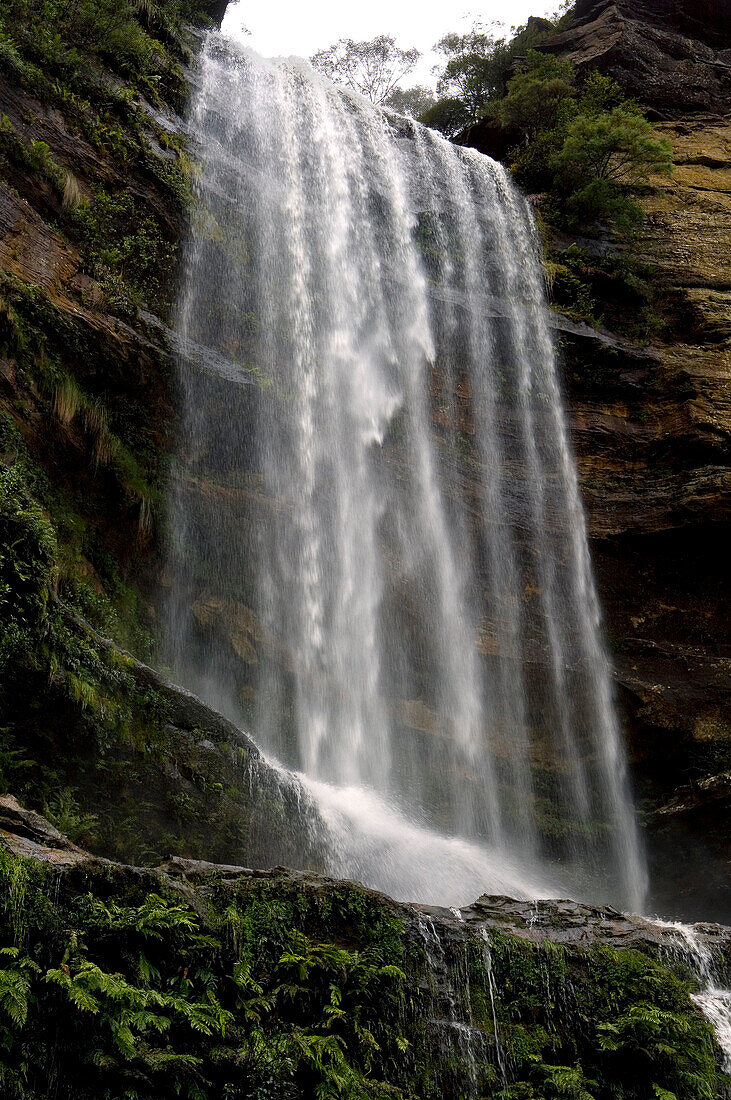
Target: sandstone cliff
{"x":94,"y":189}
{"x":652,"y":432}
{"x":86,"y":392}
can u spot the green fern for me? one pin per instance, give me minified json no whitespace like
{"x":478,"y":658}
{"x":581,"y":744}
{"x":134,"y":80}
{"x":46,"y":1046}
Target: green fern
{"x":15,"y":985}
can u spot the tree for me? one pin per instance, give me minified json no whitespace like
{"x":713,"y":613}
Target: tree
{"x":413,"y":102}
{"x":448,"y":116}
{"x":373,"y":68}
{"x":469,"y":72}
{"x":478,"y":64}
{"x":585,"y":148}
{"x":605,"y":154}
{"x":537,"y":94}
{"x":619,"y":146}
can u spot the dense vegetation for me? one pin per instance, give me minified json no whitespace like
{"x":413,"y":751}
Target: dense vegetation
{"x":476,"y":69}
{"x":93,"y":159}
{"x":586,"y":147}
{"x":580,"y":146}
{"x":60,"y":46}
{"x":118,"y":983}
{"x":65,"y":54}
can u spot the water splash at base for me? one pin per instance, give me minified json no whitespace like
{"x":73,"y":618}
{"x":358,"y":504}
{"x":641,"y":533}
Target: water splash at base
{"x":377,"y":542}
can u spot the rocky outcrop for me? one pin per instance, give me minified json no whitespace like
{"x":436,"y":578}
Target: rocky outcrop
{"x":227,"y":979}
{"x":673,"y":57}
{"x":181,"y":779}
{"x":29,"y":835}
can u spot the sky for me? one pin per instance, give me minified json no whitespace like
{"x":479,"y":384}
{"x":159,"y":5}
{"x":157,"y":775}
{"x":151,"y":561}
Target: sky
{"x":283,"y":27}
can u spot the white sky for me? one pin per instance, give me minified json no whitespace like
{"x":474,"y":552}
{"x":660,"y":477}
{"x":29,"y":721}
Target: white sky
{"x":283,"y":27}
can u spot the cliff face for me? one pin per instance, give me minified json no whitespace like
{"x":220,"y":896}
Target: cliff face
{"x":651,"y":426}
{"x":652,"y":431}
{"x":673,"y":56}
{"x":93,"y":189}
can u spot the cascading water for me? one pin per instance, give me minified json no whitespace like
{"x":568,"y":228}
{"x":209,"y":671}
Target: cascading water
{"x":378,"y":551}
{"x":693,"y":945}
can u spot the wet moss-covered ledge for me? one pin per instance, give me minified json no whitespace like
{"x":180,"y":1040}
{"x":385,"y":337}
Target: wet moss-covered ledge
{"x":203,"y":981}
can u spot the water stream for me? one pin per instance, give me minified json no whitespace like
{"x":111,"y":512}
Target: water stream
{"x":714,"y":997}
{"x":378,"y":558}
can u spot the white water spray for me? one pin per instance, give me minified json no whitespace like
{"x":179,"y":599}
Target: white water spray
{"x":714,"y":997}
{"x":381,"y":540}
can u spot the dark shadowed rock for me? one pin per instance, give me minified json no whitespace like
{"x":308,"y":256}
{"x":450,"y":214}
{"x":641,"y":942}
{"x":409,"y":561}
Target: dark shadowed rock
{"x":673,"y":57}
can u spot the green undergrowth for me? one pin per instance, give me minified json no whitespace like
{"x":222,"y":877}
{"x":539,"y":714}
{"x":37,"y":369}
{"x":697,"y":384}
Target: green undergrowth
{"x":110,"y":70}
{"x":66,"y":48}
{"x":594,"y":1024}
{"x":119,"y":983}
{"x":610,"y":288}
{"x":32,"y":156}
{"x":125,"y":249}
{"x":121,"y":988}
{"x":96,"y":468}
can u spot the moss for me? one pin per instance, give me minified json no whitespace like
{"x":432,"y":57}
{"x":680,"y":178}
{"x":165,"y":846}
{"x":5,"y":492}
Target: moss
{"x":281,"y":987}
{"x":610,"y":289}
{"x":125,"y":249}
{"x":34,"y":156}
{"x":27,"y":567}
{"x":153,"y":999}
{"x":115,"y":482}
{"x":610,"y":1023}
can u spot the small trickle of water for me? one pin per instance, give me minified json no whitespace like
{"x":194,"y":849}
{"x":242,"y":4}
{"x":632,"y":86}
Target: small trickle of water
{"x":450,"y":1011}
{"x":714,"y":999}
{"x":500,"y":1053}
{"x":377,"y":541}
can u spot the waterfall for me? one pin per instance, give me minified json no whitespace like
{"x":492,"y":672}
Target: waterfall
{"x":378,"y":558}
{"x":693,"y":945}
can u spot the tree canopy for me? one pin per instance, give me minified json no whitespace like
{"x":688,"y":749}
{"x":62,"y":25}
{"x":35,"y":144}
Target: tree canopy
{"x":413,"y":102}
{"x":537,"y":94}
{"x":585,"y":146}
{"x":477,"y":63}
{"x":374,"y":68}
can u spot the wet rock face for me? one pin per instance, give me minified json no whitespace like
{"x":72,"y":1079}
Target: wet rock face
{"x":652,"y":432}
{"x":651,"y":428}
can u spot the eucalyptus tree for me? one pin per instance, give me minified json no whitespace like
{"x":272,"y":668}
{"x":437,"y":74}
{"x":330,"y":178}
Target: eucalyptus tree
{"x":374,"y":67}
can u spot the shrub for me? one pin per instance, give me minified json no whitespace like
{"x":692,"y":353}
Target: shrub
{"x":27,"y":565}
{"x":617,"y":147}
{"x":124,"y":248}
